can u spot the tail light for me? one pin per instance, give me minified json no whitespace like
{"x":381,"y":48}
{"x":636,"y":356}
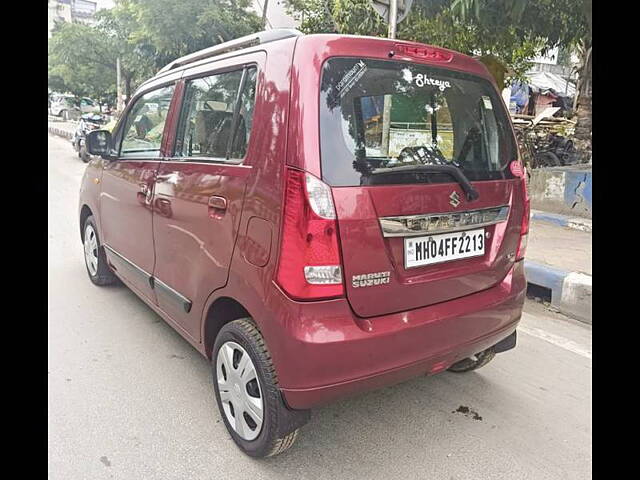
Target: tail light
{"x":309,"y":267}
{"x":524,"y":228}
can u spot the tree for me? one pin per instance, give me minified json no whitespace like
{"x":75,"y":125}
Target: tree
{"x":430,"y":21}
{"x":315,"y":15}
{"x":175,"y":29}
{"x":145,"y":35}
{"x":76,"y":64}
{"x":558,"y":22}
{"x":84,"y":57}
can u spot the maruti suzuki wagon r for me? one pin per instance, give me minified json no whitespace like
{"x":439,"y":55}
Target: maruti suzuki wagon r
{"x":318,"y":215}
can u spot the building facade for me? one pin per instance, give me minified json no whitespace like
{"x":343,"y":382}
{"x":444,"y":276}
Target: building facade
{"x":81,"y":11}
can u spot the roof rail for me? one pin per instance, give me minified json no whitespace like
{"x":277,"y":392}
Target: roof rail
{"x":236,"y":44}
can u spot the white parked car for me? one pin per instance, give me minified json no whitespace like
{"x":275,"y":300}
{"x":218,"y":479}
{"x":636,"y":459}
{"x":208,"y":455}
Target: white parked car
{"x":63,"y":104}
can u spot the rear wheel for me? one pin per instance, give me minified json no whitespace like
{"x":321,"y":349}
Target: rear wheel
{"x":94,"y":256}
{"x":246,"y":388}
{"x":474,"y":362}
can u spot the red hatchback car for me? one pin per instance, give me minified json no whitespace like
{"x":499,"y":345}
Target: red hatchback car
{"x":318,"y":215}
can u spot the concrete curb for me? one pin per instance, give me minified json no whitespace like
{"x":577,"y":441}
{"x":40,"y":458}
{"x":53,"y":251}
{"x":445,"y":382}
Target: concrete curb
{"x":570,"y":291}
{"x":577,"y":223}
{"x":61,"y":132}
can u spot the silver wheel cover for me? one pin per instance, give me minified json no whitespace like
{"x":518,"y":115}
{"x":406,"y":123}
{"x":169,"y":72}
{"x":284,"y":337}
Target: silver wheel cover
{"x":91,"y":250}
{"x":240,"y":391}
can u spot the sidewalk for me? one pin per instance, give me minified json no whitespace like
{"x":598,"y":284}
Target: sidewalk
{"x":559,"y":258}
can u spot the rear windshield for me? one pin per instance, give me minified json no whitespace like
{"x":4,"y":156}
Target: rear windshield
{"x":379,"y":120}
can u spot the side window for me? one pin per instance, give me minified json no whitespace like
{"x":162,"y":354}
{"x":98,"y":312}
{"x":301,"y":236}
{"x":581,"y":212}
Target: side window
{"x":142,"y":132}
{"x":216,"y":118}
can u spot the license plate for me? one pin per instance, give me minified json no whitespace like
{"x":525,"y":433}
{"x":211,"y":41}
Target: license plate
{"x":430,"y":249}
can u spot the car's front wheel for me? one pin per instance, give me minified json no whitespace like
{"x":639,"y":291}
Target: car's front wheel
{"x":246,"y":388}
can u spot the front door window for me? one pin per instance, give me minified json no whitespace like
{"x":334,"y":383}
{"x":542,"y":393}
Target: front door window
{"x":142,"y":133}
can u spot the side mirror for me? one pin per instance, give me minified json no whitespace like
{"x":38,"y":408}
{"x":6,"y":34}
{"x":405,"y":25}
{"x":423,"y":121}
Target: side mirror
{"x":99,"y":143}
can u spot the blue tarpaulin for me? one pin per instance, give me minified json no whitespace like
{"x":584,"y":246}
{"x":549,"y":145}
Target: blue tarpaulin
{"x":519,"y":95}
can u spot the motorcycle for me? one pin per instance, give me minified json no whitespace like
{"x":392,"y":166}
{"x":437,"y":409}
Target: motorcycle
{"x":540,"y":150}
{"x":554,"y":151}
{"x":563,"y":149}
{"x":87,"y":123}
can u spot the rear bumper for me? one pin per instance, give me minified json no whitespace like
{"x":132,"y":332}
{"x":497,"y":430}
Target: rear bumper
{"x":325,"y":352}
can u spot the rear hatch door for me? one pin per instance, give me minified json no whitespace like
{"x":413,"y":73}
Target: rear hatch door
{"x":411,"y":235}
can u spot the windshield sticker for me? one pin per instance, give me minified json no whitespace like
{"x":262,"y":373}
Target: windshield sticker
{"x":487,"y":102}
{"x":350,"y":78}
{"x":422,"y":80}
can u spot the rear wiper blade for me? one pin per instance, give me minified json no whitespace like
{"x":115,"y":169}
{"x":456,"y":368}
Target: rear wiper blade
{"x":452,"y":171}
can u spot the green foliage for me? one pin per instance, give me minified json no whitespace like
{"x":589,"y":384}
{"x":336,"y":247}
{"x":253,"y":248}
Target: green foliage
{"x":175,"y":29}
{"x":145,"y":35}
{"x":566,"y":23}
{"x":77,"y":64}
{"x":445,"y":30}
{"x":430,"y":21}
{"x":359,"y":18}
{"x":314,"y":15}
{"x":559,"y":22}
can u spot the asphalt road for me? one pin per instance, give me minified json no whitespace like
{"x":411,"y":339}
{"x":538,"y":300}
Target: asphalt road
{"x":130,"y":399}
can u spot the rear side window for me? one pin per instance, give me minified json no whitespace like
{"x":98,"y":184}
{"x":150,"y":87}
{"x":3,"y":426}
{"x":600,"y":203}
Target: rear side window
{"x":376,"y":116}
{"x":217,"y":116}
{"x":142,"y":133}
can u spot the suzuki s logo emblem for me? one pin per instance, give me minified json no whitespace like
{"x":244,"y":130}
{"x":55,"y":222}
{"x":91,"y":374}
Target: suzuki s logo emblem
{"x":454,"y":199}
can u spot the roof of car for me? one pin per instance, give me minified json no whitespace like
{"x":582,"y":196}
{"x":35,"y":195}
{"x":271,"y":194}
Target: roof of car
{"x":412,"y":51}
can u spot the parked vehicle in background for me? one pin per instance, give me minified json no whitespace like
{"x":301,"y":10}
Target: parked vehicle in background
{"x":371,"y":228}
{"x":540,"y":149}
{"x":88,"y":122}
{"x":63,"y":105}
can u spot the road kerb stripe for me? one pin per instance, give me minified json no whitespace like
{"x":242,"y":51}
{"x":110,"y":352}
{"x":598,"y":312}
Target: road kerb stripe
{"x":556,"y":340}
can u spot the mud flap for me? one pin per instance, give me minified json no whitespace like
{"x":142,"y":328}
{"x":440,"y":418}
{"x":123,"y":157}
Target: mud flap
{"x":506,"y":343}
{"x":291,"y":419}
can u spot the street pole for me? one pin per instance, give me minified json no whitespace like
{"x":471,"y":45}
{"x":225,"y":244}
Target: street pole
{"x":118,"y":88}
{"x":393,"y":17}
{"x":386,"y":112}
{"x":264,"y":14}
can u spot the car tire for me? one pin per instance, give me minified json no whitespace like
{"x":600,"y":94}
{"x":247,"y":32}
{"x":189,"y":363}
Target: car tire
{"x":473,"y":363}
{"x":244,"y":334}
{"x":94,"y":257}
